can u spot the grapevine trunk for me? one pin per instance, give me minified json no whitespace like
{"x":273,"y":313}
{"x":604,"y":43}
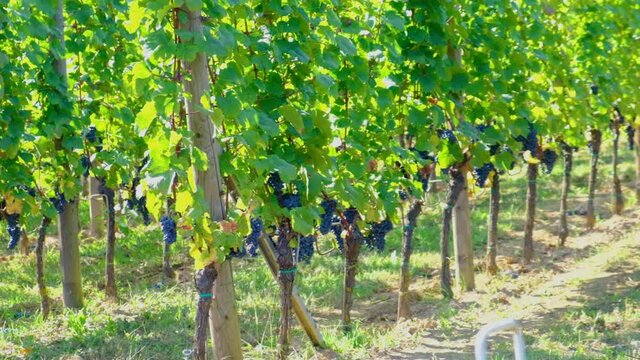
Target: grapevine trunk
{"x":618,"y":198}
{"x":352,"y":244}
{"x":456,"y":185}
{"x":42,"y":287}
{"x":492,"y":234}
{"x":567,"y":153}
{"x":404,"y":310}
{"x":204,"y":280}
{"x":530,"y":216}
{"x":286,"y":277}
{"x":596,"y":140}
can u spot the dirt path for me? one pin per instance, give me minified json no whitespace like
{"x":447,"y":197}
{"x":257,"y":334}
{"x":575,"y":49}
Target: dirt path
{"x":593,"y":268}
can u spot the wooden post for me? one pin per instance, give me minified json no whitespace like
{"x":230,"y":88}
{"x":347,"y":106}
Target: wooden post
{"x":68,"y":226}
{"x":223,"y":320}
{"x":302,"y":313}
{"x":95,"y":209}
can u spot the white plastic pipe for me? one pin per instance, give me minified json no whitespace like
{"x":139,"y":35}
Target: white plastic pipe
{"x":482,"y":339}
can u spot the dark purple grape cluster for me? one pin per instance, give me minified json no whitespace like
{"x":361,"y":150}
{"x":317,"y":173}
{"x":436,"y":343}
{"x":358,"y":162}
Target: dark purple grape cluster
{"x":169,"y":229}
{"x":482,"y":127}
{"x":447,"y":134}
{"x":493,"y":149}
{"x":594,"y":89}
{"x":350,"y":215}
{"x":549,"y":158}
{"x":13,"y":228}
{"x":631,"y":132}
{"x":403,"y":194}
{"x":481,"y":174}
{"x":141,"y":206}
{"x":92,"y":134}
{"x":424,"y":180}
{"x":529,"y":143}
{"x":329,"y":207}
{"x":86,"y":165}
{"x":377,"y":237}
{"x":304,"y":251}
{"x":275,"y":182}
{"x":251,"y":242}
{"x":290,"y":201}
{"x":59,"y":202}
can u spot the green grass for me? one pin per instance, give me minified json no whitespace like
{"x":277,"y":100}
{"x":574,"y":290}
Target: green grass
{"x":154,"y":317}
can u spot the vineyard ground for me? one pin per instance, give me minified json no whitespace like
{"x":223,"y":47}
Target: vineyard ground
{"x":581,"y":302}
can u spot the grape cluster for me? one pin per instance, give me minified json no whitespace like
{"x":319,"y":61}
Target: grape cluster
{"x":447,"y":134}
{"x":594,"y":89}
{"x":275,"y":182}
{"x":59,"y":202}
{"x":304,"y":251}
{"x":529,"y":143}
{"x":481,"y":174}
{"x":631,"y":132}
{"x":493,"y":149}
{"x":91,"y":134}
{"x":251,"y":242}
{"x":13,"y":228}
{"x":169,"y":230}
{"x":482,"y":127}
{"x":290,"y":201}
{"x":86,"y":165}
{"x":424,"y":180}
{"x":329,"y":207}
{"x":377,"y":236}
{"x":141,"y":206}
{"x":403,"y":194}
{"x":350,"y":215}
{"x":549,"y":158}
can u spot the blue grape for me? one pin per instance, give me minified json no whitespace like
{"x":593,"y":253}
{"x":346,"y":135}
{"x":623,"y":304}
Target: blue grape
{"x":350,"y":215}
{"x":481,"y":174}
{"x":251,"y":242}
{"x":377,"y":236}
{"x":290,"y":201}
{"x":631,"y":132}
{"x":482,"y":127}
{"x":59,"y":202}
{"x":142,"y":209}
{"x":86,"y":165}
{"x":329,"y":207}
{"x":549,"y":158}
{"x":169,"y":230}
{"x":13,"y":228}
{"x":529,"y":143}
{"x":447,"y":134}
{"x":594,"y":89}
{"x":275,"y":182}
{"x":91,"y":134}
{"x":493,"y":149}
{"x":424,"y":180}
{"x":304,"y":252}
{"x":403,"y":195}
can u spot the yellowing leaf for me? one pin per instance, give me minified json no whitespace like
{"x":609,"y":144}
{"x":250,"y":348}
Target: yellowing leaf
{"x":14,"y":205}
{"x":135,"y":17}
{"x":184,"y":199}
{"x":146,"y":116}
{"x":530,"y":158}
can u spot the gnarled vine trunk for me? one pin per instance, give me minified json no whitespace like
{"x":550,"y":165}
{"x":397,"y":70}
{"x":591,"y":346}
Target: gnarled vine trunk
{"x":352,"y":242}
{"x":42,"y":287}
{"x":404,"y":310}
{"x":110,"y":271}
{"x":596,"y":141}
{"x":204,"y":279}
{"x":636,"y":140}
{"x":456,"y":185}
{"x":492,"y":227}
{"x":567,"y":154}
{"x":462,"y":240}
{"x":530,"y":215}
{"x":24,"y":243}
{"x":286,"y":277}
{"x":617,"y":197}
